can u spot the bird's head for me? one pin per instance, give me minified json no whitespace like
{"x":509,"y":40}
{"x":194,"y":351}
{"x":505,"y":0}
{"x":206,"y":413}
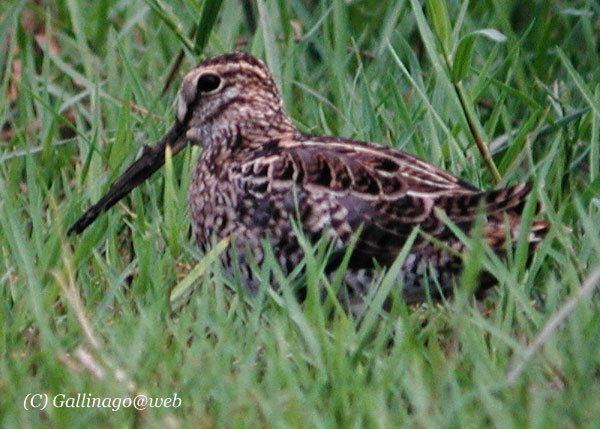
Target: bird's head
{"x":224,"y":98}
{"x":231,"y":93}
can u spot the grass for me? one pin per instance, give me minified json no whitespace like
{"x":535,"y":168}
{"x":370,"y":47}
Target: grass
{"x":82,"y":89}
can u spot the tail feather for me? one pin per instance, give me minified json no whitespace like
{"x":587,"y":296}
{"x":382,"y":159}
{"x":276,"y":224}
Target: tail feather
{"x":510,"y":199}
{"x":497,"y":229}
{"x":464,"y":208}
{"x":504,"y":209}
{"x":538,"y":231}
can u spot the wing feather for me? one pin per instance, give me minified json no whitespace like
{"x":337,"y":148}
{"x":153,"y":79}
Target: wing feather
{"x":387,"y":191}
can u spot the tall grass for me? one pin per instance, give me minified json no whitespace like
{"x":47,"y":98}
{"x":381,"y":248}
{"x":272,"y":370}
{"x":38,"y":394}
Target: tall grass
{"x":495,"y":92}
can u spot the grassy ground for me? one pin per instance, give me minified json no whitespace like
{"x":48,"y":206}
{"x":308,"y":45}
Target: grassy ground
{"x":81,"y":85}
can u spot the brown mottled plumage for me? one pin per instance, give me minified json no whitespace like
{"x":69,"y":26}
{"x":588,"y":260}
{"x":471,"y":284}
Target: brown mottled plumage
{"x":258,"y":173}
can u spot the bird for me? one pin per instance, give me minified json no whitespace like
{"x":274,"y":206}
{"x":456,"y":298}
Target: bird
{"x":259,"y":177}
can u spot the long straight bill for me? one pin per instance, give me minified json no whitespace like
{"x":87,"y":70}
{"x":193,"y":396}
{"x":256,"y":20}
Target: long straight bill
{"x":151,"y":160}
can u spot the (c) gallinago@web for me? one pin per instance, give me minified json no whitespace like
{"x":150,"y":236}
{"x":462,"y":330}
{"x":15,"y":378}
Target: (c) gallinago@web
{"x":257,"y":174}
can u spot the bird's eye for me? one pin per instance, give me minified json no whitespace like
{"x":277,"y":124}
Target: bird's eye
{"x":208,"y":82}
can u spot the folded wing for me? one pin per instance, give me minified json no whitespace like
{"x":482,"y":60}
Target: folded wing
{"x":386,"y":191}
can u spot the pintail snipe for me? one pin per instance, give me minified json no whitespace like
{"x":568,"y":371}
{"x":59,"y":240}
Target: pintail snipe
{"x":257,"y":174}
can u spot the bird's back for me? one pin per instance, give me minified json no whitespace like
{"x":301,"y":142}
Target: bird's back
{"x":336,"y":187}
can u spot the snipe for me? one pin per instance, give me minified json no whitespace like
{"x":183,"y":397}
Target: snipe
{"x":257,"y":174}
